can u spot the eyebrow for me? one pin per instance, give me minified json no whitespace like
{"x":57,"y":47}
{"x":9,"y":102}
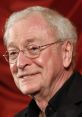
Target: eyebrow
{"x":31,"y":40}
{"x":11,"y":46}
{"x":27,"y":41}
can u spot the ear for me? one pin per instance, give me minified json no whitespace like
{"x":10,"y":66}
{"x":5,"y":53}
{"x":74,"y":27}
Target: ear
{"x":67,"y":53}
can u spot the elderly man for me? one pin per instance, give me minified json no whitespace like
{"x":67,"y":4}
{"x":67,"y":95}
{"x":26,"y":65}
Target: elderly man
{"x":41,"y":53}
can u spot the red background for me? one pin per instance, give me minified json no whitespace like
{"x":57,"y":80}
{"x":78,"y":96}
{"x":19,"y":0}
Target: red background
{"x":11,"y":100}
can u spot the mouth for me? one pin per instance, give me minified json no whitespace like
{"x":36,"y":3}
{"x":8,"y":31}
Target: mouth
{"x":27,"y":75}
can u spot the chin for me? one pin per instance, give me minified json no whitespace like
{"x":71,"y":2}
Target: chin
{"x":25,"y":91}
{"x":29,"y":91}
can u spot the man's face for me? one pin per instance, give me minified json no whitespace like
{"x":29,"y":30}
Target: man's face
{"x":34,"y":76}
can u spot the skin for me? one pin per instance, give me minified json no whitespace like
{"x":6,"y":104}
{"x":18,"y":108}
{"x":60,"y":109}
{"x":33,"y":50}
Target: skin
{"x":44,"y":76}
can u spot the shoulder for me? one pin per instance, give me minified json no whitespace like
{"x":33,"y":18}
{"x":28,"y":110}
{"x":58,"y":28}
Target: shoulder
{"x":75,"y":90}
{"x":76,"y":85}
{"x":78,"y":80}
{"x":22,"y":113}
{"x":29,"y":110}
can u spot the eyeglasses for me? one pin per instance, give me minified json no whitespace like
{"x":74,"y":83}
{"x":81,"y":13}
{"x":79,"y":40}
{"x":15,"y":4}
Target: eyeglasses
{"x":31,"y":51}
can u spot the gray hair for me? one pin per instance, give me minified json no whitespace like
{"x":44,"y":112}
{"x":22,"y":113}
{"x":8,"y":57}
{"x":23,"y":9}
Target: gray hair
{"x":65,"y":30}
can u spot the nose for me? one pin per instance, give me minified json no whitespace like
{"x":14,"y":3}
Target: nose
{"x":23,"y":61}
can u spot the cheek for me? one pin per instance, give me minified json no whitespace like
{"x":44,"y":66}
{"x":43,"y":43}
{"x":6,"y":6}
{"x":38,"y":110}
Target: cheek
{"x":13,"y":69}
{"x":49,"y":58}
{"x":51,"y":62}
{"x":43,"y":60}
{"x":46,"y":61}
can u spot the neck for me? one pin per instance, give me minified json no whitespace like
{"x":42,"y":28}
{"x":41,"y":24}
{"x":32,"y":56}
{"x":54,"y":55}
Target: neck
{"x":42,"y":114}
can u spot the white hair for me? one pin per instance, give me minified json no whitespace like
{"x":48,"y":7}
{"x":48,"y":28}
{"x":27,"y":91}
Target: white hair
{"x":64,"y":28}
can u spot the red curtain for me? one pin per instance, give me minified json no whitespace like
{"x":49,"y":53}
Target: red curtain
{"x":11,"y":100}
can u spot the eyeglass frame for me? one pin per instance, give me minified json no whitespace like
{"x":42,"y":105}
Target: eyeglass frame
{"x":39,"y":48}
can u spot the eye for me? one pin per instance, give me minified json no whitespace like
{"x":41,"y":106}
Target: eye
{"x":33,"y":49}
{"x":12,"y":54}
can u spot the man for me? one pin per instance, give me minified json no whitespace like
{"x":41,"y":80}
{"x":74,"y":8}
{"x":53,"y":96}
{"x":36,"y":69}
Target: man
{"x":41,"y":53}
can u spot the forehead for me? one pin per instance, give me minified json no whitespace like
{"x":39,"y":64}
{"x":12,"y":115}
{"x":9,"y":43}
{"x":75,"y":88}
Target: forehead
{"x":31,"y":27}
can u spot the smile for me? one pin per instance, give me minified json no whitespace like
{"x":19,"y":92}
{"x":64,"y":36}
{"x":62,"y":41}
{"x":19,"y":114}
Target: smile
{"x":27,"y":75}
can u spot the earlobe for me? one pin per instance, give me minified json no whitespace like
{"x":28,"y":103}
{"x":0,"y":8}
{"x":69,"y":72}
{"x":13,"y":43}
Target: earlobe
{"x":67,"y":53}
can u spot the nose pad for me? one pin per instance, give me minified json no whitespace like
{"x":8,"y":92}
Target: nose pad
{"x":23,"y":61}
